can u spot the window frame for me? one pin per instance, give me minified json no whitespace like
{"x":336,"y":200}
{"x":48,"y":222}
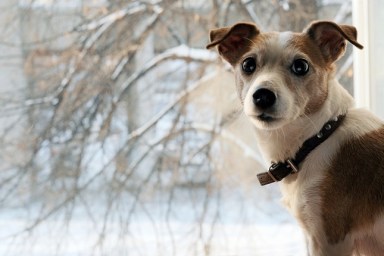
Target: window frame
{"x":362,"y":85}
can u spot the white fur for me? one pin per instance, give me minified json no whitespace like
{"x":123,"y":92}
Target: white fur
{"x":284,"y":37}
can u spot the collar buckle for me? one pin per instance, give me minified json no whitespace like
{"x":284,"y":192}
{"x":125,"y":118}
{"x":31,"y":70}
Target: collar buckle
{"x":295,"y":169}
{"x":276,"y":172}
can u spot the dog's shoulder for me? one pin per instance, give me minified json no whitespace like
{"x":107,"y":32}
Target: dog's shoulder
{"x":353,"y":186}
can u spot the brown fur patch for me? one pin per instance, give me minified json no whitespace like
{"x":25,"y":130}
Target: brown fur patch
{"x":315,"y":85}
{"x":353,"y":190}
{"x":233,"y":42}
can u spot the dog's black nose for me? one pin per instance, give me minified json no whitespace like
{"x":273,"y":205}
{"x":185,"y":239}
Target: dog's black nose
{"x":264,"y":98}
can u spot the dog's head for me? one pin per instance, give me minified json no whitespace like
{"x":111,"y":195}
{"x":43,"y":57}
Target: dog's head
{"x":282,"y":76}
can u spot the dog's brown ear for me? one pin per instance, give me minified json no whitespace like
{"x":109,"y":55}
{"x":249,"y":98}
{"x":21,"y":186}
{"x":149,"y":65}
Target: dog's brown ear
{"x":233,"y":42}
{"x":330,"y":37}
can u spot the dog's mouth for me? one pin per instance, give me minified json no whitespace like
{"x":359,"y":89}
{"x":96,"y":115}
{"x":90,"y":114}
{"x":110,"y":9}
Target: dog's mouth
{"x":266,"y":118}
{"x":266,"y":121}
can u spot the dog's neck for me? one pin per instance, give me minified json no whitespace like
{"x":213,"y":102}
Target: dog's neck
{"x":283,"y":143}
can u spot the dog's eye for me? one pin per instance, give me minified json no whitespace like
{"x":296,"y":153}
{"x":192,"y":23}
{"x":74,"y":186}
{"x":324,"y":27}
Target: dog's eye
{"x":300,"y":67}
{"x":249,"y":65}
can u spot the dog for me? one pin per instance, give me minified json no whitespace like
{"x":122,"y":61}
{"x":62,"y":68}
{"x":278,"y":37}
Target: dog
{"x":326,"y":154}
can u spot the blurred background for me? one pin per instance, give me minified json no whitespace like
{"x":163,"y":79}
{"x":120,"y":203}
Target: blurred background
{"x":120,"y":134}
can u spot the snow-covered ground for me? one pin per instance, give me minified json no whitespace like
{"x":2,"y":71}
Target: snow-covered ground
{"x":232,"y":226}
{"x":228,"y":239}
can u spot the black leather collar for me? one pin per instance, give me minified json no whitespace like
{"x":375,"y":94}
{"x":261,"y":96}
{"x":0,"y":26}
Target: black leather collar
{"x":280,"y":170}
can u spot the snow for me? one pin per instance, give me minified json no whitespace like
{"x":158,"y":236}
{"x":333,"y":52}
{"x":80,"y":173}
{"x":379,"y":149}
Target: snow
{"x":229,"y":239}
{"x":231,"y":225}
{"x":59,"y":4}
{"x":176,"y":53}
{"x":135,"y":7}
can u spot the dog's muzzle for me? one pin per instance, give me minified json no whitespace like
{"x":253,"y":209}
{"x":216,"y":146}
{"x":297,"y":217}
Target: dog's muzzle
{"x":264,"y":100}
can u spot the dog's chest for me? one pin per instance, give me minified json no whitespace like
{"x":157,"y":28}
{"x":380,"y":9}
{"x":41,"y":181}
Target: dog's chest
{"x":300,"y":193}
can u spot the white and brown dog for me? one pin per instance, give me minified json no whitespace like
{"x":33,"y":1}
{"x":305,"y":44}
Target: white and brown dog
{"x":328,"y":155}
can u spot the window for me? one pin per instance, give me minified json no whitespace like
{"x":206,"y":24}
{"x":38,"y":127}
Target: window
{"x":369,"y":72}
